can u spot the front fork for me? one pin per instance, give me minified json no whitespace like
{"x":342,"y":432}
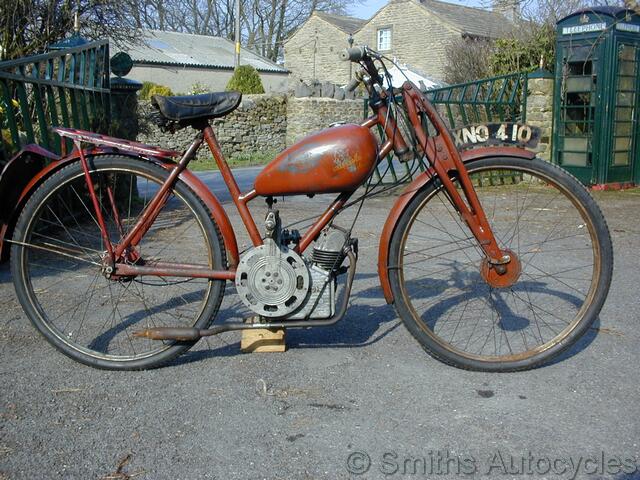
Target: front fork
{"x":444,"y":157}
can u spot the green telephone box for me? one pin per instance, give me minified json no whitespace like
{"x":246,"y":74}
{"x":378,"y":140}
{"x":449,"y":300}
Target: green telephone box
{"x":597,"y":96}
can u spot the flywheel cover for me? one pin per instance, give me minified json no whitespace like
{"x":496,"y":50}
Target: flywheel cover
{"x":272,"y":281}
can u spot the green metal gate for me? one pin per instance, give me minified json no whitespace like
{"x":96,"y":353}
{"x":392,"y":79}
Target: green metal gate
{"x":495,"y":99}
{"x":69,"y":87}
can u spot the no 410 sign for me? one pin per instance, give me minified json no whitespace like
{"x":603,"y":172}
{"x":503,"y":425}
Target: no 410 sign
{"x":497,"y":134}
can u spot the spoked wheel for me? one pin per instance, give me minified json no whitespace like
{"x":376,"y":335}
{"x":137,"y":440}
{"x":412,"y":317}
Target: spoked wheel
{"x":56,"y":263}
{"x":465,"y":312}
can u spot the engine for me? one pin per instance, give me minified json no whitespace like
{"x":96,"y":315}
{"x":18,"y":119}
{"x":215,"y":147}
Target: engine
{"x":276,"y":282}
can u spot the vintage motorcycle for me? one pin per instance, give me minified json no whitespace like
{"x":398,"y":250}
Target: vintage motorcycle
{"x":494,"y":259}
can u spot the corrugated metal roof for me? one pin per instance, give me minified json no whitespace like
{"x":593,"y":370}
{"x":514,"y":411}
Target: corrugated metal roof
{"x":184,"y":49}
{"x":344,"y":23}
{"x":472,"y":21}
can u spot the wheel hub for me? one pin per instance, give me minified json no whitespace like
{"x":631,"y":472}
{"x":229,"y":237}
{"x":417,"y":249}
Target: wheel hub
{"x":108,"y":268}
{"x":503,"y":275}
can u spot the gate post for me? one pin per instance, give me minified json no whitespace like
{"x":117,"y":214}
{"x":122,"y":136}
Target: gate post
{"x":124,"y":108}
{"x":540,"y":109}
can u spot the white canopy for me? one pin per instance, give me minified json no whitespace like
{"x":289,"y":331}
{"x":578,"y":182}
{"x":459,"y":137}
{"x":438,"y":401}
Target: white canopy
{"x":400,"y":75}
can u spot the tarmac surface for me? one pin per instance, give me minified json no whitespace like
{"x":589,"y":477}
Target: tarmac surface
{"x":358,"y":400}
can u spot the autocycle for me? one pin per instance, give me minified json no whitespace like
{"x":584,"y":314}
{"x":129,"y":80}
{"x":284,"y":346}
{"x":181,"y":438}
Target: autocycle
{"x":494,"y":259}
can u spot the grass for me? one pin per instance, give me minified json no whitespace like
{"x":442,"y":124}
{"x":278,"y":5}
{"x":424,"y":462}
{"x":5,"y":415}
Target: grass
{"x":240,"y":160}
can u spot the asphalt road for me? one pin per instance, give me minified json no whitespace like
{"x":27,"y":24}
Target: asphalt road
{"x":360,"y":396}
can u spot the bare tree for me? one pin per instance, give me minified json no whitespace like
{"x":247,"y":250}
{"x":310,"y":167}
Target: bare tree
{"x":633,"y":5}
{"x":531,"y":40}
{"x":265,"y":23}
{"x":468,"y":59}
{"x":28,"y":26}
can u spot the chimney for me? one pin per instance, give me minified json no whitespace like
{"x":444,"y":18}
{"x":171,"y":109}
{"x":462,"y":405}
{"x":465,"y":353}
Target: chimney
{"x":508,"y":8}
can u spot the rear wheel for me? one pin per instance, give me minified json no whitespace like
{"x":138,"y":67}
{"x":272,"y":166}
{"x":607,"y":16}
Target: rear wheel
{"x":466,"y":314}
{"x":56,"y":264}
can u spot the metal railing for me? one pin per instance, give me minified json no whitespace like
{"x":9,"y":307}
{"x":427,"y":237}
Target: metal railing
{"x":68,"y":87}
{"x":495,"y":99}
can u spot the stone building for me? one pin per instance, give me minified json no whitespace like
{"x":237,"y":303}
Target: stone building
{"x":311,"y":53}
{"x":414,"y":32}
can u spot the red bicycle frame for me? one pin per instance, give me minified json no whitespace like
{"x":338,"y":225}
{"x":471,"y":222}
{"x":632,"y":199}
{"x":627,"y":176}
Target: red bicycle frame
{"x":440,"y":150}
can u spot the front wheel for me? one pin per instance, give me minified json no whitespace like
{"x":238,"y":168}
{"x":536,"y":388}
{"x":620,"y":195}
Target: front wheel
{"x":464,"y":313}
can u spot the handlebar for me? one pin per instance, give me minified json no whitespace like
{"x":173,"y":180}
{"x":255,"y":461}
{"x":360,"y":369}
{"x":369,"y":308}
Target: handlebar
{"x":354,"y":54}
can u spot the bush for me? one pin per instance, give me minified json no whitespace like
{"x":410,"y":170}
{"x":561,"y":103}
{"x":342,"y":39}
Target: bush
{"x":149,"y":89}
{"x":473,"y":59}
{"x":160,"y":90}
{"x":467,"y":59}
{"x":245,"y":79}
{"x":146,"y":88}
{"x":524,"y":51}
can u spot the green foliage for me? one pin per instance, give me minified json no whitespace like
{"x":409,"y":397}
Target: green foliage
{"x":146,"y":88}
{"x":160,"y":90}
{"x":7,"y":145}
{"x":523,"y":53}
{"x":245,"y":79}
{"x":150,"y":89}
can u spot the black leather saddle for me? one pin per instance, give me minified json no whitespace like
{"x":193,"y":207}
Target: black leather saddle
{"x":187,"y":109}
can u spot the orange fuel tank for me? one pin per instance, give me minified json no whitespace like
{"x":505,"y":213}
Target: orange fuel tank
{"x":335,"y":160}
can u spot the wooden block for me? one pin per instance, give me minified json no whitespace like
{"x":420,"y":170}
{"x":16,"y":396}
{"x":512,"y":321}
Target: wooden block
{"x":263,"y":340}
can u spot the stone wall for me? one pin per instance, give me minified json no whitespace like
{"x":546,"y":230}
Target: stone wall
{"x":540,"y":109}
{"x":307,"y":115}
{"x":258,"y":125}
{"x":262,"y":123}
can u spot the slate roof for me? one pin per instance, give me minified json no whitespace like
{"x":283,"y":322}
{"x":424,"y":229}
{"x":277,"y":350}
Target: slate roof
{"x":184,"y":49}
{"x":472,"y":21}
{"x":342,"y":22}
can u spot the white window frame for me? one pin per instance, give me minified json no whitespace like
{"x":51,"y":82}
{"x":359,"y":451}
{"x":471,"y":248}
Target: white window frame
{"x":383,"y":44}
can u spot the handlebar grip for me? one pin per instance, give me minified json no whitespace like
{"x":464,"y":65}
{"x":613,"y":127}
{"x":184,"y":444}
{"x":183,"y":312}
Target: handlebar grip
{"x":352,"y":85}
{"x":354,"y":54}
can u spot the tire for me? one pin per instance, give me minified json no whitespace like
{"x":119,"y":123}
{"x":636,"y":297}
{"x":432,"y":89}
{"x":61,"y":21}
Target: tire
{"x":562,"y":243}
{"x":57,"y":274}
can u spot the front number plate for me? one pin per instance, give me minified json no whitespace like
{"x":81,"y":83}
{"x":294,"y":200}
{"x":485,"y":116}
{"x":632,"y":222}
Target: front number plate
{"x":506,"y":133}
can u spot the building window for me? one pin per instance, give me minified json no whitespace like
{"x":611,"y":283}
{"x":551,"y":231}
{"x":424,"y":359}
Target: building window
{"x":384,"y":39}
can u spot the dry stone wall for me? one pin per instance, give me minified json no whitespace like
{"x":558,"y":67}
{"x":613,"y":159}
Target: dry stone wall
{"x":259,"y":124}
{"x":262,"y":123}
{"x":311,"y":114}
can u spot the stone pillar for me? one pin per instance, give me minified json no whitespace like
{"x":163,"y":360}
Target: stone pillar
{"x":124,"y":108}
{"x":540,"y":109}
